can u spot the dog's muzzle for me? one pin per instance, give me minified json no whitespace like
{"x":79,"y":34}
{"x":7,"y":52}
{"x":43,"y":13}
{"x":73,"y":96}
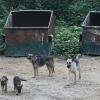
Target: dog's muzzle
{"x":68,"y":66}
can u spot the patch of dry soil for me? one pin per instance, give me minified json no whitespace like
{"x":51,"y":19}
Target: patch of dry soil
{"x":51,"y":88}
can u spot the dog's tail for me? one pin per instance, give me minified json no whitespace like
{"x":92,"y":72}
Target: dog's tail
{"x":77,"y":57}
{"x":23,"y":79}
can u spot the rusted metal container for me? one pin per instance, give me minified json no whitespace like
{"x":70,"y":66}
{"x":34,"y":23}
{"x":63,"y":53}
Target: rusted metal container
{"x":91,"y":34}
{"x":29,"y":31}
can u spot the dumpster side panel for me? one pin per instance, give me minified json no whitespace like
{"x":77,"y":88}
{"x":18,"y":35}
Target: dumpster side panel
{"x":22,"y":42}
{"x":20,"y":37}
{"x":91,"y":41}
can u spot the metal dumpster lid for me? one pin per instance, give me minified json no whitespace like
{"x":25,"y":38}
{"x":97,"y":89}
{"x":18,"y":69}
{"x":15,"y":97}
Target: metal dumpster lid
{"x":33,"y":10}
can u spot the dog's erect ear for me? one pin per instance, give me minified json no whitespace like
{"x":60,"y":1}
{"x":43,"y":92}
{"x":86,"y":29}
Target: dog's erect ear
{"x":21,"y":85}
{"x":31,"y":55}
{"x":73,"y":59}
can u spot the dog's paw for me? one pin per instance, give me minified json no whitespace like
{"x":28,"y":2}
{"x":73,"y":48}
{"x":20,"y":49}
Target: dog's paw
{"x":79,"y":78}
{"x":74,"y":82}
{"x":48,"y":75}
{"x":51,"y":76}
{"x":67,"y":85}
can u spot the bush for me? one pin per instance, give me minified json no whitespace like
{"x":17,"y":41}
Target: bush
{"x":3,"y":17}
{"x":67,"y":40}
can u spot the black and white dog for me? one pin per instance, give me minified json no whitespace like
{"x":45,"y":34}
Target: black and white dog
{"x":73,"y":65}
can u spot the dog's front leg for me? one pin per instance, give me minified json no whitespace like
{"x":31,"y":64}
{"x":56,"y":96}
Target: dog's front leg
{"x":5,"y":88}
{"x":34,"y":72}
{"x":79,"y":74}
{"x":2,"y":89}
{"x":68,"y":76}
{"x":49,"y":72}
{"x":14,"y":87}
{"x":48,"y":67}
{"x":52,"y":70}
{"x":16,"y":90}
{"x":74,"y":77}
{"x":79,"y":69}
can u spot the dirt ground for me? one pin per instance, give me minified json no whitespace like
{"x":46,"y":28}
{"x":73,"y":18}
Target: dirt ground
{"x":51,"y":88}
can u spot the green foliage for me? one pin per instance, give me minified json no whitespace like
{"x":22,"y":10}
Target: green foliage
{"x":15,"y":4}
{"x":60,"y":7}
{"x":77,"y":13}
{"x":78,"y":10}
{"x":67,"y":13}
{"x":3,"y":16}
{"x":60,"y":23}
{"x":67,"y":40}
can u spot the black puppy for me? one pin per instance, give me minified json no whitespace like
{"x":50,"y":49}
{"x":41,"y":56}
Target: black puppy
{"x":4,"y":81}
{"x":17,"y":85}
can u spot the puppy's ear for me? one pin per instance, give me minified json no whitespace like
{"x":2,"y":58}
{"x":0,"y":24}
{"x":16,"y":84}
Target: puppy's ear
{"x":7,"y":79}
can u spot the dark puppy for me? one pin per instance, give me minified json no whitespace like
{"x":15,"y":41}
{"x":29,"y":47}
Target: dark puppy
{"x":38,"y":61}
{"x":4,"y":81}
{"x":17,"y":85}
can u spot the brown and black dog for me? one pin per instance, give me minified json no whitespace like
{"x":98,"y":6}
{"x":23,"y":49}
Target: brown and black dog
{"x":17,"y":85}
{"x":4,"y":81}
{"x":38,"y":61}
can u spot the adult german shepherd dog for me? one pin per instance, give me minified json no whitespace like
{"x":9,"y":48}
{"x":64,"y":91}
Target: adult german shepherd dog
{"x":38,"y":61}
